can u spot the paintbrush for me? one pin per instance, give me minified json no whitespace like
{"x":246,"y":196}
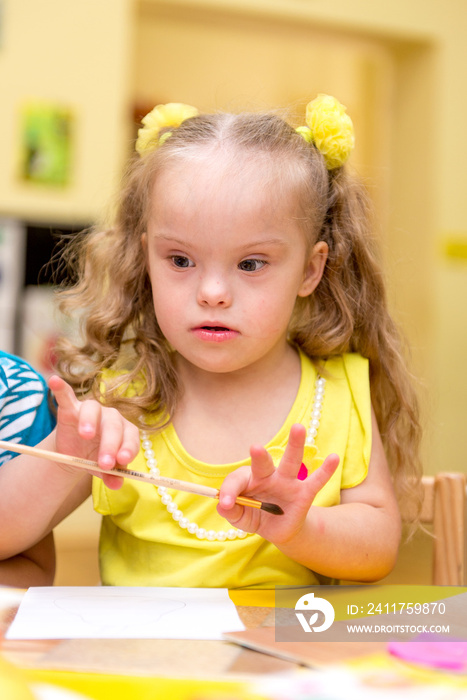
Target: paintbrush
{"x":169,"y":483}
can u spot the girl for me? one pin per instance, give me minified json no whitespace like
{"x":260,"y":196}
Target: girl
{"x":235,"y":307}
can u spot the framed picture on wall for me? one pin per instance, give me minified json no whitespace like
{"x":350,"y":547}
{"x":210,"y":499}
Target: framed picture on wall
{"x":46,"y":140}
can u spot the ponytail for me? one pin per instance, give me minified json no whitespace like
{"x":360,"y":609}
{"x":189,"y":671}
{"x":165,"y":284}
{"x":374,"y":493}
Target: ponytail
{"x":348,"y":313}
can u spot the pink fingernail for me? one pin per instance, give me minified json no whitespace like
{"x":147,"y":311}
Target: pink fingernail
{"x":227,"y":502}
{"x":124,"y":457}
{"x":302,"y":472}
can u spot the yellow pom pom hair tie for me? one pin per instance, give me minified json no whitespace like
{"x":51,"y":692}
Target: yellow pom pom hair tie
{"x":161,"y":117}
{"x":330,"y":129}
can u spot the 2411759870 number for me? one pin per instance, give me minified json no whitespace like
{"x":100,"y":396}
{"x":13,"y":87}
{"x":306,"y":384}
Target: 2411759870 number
{"x":437,"y":607}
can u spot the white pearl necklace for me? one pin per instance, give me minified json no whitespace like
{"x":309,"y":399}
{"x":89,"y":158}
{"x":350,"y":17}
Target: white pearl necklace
{"x":315,"y":411}
{"x":233,"y":533}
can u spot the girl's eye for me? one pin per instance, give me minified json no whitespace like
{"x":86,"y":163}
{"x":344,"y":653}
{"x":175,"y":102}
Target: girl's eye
{"x":181,"y":261}
{"x":251,"y":265}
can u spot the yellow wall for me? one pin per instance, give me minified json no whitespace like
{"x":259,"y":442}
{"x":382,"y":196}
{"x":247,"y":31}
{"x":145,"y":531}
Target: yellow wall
{"x":74,"y":54}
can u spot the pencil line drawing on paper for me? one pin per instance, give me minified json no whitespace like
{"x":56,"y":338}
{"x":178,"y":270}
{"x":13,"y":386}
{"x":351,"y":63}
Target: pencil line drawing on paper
{"x":125,"y":612}
{"x":121,"y":612}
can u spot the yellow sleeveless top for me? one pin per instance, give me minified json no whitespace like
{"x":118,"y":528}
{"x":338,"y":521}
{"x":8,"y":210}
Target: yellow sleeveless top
{"x":142,"y":545}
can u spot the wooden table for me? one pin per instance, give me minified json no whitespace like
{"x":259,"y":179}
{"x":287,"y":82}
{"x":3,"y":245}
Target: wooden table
{"x":133,"y":666}
{"x":161,"y":658}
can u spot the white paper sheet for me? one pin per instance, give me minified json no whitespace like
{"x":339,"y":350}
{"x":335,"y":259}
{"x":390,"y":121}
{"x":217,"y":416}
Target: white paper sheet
{"x":111,"y":612}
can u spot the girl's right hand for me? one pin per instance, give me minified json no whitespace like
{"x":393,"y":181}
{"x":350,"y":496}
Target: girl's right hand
{"x":89,"y":430}
{"x":278,"y":485}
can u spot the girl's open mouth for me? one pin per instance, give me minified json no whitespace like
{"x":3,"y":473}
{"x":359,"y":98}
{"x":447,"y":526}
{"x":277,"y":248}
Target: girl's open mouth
{"x":216,"y":334}
{"x":217,"y":329}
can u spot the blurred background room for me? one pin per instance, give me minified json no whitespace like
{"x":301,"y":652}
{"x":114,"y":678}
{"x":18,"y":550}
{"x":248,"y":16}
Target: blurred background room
{"x":76,"y":76}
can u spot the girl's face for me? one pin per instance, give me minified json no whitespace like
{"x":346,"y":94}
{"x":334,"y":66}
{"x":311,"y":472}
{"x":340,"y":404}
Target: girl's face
{"x":227,"y":259}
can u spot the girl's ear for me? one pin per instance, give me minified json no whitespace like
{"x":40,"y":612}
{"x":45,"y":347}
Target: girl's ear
{"x":314,"y":269}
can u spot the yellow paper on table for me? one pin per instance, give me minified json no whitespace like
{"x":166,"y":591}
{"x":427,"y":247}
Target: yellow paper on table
{"x":14,"y":684}
{"x":255,"y":597}
{"x":102,"y":687}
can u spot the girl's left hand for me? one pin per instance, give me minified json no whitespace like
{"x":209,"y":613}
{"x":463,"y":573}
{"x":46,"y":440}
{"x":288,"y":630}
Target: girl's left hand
{"x":90,"y":430}
{"x":280,"y":485}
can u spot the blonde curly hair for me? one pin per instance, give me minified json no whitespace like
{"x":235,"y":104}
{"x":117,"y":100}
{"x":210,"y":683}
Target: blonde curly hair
{"x":347,"y":312}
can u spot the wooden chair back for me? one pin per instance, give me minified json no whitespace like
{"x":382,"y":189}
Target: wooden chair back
{"x":444,"y":506}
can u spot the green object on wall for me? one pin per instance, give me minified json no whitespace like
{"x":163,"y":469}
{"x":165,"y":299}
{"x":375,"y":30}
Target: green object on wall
{"x":46,"y":144}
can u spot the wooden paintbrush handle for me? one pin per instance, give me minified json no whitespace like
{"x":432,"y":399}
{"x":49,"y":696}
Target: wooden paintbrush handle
{"x":89,"y":465}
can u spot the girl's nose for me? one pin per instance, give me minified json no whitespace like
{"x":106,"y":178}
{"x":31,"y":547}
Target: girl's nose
{"x":213,"y":291}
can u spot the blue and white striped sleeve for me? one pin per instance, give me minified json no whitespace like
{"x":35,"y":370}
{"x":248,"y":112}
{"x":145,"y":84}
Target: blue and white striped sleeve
{"x":25,"y":414}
